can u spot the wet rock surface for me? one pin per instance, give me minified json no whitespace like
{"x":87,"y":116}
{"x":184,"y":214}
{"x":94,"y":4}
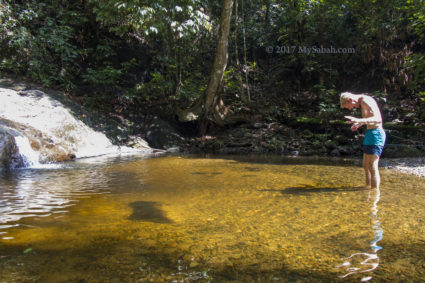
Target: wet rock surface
{"x":58,"y":132}
{"x":160,"y":134}
{"x":49,"y":151}
{"x":9,"y":155}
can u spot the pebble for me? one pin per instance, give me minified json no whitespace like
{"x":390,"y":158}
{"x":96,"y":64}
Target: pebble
{"x":414,"y":165}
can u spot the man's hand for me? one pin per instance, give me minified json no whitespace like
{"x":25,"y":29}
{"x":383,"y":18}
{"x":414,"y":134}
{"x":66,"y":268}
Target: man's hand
{"x":355,"y":127}
{"x":352,"y":120}
{"x":355,"y":121}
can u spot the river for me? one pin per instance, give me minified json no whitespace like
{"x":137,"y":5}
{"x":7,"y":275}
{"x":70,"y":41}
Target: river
{"x":180,"y":218}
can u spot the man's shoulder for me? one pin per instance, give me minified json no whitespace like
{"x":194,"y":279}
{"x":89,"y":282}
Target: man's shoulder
{"x":369,"y":100}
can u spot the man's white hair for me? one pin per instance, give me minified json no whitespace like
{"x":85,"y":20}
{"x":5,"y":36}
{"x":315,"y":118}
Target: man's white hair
{"x":344,"y":98}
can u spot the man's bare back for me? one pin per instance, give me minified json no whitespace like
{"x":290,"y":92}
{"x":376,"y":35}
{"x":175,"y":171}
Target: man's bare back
{"x":371,"y":116}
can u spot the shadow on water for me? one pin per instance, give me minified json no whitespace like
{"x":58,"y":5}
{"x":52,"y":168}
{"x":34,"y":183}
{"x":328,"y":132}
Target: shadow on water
{"x":307,"y":189}
{"x":252,"y":159}
{"x":148,"y":211}
{"x":207,"y":174}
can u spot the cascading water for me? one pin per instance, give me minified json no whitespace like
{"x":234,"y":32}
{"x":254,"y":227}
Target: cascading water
{"x":30,"y":157}
{"x":55,"y":128}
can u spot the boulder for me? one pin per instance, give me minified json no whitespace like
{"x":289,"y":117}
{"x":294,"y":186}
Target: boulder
{"x":330,"y":145}
{"x":399,"y":151}
{"x":160,"y":134}
{"x":9,"y":154}
{"x":49,"y":152}
{"x":335,"y":152}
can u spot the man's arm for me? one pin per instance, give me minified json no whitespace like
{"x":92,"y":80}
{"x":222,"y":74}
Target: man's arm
{"x":355,"y":125}
{"x":364,"y":121}
{"x":373,"y":109}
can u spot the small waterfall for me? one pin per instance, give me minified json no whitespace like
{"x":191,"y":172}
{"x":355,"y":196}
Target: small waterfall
{"x":57,"y":133}
{"x":30,"y":157}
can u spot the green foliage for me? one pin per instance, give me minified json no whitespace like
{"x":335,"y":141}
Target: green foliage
{"x":174,"y":30}
{"x":39,"y":45}
{"x":152,"y":17}
{"x":106,"y":75}
{"x":153,"y":89}
{"x":132,"y":51}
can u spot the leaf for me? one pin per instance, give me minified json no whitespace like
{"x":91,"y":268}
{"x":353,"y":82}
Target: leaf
{"x":28,"y":250}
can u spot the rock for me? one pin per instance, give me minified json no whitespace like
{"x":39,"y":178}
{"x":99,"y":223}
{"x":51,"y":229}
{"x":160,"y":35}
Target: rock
{"x":49,"y":152}
{"x":343,"y":140}
{"x":259,"y":149}
{"x":307,"y":134}
{"x":32,"y":93}
{"x":401,"y":151}
{"x":239,"y":143}
{"x":330,"y":145}
{"x":138,"y":143}
{"x":255,"y":126}
{"x":308,"y":153}
{"x":175,"y":149}
{"x":295,"y":153}
{"x":335,"y":152}
{"x":344,"y":150}
{"x":238,"y":133}
{"x":9,"y":154}
{"x":160,"y":134}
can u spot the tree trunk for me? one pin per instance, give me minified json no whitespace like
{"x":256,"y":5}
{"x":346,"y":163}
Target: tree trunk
{"x":214,"y":109}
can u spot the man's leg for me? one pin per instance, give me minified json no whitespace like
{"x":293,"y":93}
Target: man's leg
{"x":366,"y":167}
{"x":370,"y":164}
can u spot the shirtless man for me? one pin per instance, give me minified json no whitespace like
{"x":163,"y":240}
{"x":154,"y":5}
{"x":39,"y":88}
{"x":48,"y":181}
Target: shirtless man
{"x":374,"y":139}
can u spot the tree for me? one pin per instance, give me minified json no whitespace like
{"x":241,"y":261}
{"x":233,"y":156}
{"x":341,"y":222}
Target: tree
{"x":214,"y":109}
{"x":168,"y":27}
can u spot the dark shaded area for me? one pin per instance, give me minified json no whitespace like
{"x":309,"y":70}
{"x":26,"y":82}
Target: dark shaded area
{"x":306,"y":189}
{"x":140,"y":262}
{"x":108,"y":259}
{"x":148,"y":211}
{"x":266,"y":158}
{"x":252,"y":169}
{"x":207,"y":174}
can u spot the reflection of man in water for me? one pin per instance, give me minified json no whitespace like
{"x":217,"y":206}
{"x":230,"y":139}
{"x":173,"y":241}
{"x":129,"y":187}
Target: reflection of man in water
{"x":374,"y":140}
{"x":369,"y":260}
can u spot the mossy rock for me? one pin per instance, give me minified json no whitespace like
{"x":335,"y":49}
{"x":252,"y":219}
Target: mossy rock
{"x":398,"y":151}
{"x":307,"y":134}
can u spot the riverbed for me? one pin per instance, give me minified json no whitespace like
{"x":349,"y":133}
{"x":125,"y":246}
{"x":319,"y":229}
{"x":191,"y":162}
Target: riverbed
{"x":210,"y":219}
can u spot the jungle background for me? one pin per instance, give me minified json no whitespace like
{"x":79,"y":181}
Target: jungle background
{"x":142,"y":68}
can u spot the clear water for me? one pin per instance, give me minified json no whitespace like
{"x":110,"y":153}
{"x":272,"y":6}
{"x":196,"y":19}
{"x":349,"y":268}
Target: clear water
{"x":194,"y":219}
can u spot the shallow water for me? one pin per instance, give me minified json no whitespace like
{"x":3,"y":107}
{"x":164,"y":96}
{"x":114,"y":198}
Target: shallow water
{"x":194,"y":219}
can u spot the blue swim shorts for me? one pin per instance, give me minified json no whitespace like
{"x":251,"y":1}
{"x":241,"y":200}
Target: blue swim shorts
{"x":373,"y":149}
{"x":374,"y":141}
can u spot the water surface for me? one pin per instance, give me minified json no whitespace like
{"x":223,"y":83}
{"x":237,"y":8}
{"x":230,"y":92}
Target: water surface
{"x":193,"y":219}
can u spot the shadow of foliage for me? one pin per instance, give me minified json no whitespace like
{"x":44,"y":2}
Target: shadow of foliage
{"x":148,"y":211}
